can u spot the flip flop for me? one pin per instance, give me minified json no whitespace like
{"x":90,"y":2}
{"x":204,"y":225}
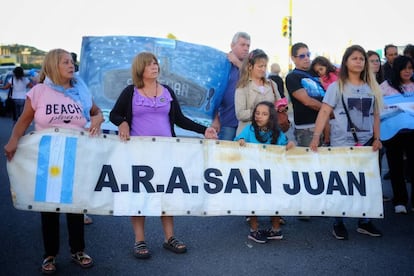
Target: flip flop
{"x":49,"y":265}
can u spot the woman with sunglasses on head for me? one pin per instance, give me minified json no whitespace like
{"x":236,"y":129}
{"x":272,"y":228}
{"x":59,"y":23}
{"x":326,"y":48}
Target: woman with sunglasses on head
{"x":253,"y":87}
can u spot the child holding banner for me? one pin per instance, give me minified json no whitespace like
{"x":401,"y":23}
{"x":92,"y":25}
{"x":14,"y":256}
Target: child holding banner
{"x":147,"y":108}
{"x":264,"y":129}
{"x":355,"y":99}
{"x":48,"y":104}
{"x":253,"y":87}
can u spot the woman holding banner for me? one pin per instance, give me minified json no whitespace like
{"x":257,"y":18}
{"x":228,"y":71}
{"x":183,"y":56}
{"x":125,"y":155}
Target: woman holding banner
{"x":47,"y":104}
{"x":356,"y":89}
{"x":147,"y":108}
{"x":397,"y":130}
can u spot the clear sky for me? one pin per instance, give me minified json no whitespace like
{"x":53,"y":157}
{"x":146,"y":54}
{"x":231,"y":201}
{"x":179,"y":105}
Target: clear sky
{"x":327,"y":26}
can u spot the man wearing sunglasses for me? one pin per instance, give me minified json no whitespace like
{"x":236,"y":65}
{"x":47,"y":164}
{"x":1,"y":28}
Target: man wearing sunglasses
{"x":306,"y":94}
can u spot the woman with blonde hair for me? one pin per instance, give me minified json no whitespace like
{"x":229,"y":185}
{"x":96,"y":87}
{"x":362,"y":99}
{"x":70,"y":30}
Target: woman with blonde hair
{"x":58,"y":87}
{"x":253,"y":87}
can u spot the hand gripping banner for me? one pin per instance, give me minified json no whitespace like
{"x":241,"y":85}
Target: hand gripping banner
{"x":62,"y":170}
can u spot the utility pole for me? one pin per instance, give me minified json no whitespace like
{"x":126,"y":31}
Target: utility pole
{"x":290,"y":35}
{"x":287,"y":32}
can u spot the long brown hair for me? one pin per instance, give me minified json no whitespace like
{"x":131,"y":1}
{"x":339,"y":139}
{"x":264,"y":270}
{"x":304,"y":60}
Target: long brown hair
{"x":138,"y":66}
{"x":248,"y":64}
{"x":366,"y":75}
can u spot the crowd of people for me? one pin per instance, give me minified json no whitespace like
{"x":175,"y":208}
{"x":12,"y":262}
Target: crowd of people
{"x":332,"y":106}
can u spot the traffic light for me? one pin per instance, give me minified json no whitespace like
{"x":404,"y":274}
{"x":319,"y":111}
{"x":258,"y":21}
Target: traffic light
{"x":286,"y":26}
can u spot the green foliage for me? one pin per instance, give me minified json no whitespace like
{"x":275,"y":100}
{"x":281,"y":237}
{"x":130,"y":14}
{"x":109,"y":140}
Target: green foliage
{"x":17,"y":49}
{"x":28,"y":56}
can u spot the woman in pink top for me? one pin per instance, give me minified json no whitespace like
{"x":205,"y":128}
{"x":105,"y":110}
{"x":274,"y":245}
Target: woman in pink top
{"x":59,"y":100}
{"x":400,"y":147}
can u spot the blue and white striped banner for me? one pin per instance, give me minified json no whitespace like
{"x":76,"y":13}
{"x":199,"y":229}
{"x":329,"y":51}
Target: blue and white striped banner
{"x":398,"y":114}
{"x":55,"y":169}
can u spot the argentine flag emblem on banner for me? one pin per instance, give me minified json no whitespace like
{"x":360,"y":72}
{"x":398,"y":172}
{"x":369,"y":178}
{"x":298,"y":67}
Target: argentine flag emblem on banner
{"x":55,"y":169}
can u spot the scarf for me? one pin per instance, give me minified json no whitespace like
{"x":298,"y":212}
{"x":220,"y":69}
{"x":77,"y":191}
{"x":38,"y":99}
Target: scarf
{"x":79,"y":92}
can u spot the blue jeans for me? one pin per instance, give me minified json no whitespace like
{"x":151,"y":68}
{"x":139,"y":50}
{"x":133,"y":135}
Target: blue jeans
{"x":227,"y":133}
{"x":18,"y":108}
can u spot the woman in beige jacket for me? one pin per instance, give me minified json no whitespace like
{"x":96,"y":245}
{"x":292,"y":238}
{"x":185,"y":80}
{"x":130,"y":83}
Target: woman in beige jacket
{"x":253,"y":87}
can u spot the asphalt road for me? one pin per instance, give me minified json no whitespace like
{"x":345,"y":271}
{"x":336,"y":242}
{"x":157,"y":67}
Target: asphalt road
{"x":216,"y":245}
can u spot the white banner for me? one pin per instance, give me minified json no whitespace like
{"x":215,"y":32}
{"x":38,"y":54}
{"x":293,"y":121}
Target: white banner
{"x":68,"y":171}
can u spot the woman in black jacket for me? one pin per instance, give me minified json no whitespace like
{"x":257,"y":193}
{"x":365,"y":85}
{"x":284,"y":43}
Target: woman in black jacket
{"x":148,"y":108}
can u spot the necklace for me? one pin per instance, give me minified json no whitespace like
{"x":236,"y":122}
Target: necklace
{"x":154,"y":98}
{"x":148,"y":95}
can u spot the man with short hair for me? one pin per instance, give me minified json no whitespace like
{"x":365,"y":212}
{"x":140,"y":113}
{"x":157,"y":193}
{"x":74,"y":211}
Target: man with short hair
{"x":390,"y":52}
{"x":305,"y":93}
{"x":225,"y":121}
{"x":274,"y":76}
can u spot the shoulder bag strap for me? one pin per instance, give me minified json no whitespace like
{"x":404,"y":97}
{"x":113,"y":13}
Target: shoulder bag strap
{"x":353,"y":128}
{"x":274,"y":91}
{"x":10,"y":94}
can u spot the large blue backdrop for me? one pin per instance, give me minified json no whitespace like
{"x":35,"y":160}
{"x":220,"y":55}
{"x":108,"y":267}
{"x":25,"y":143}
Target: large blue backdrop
{"x":198,"y":74}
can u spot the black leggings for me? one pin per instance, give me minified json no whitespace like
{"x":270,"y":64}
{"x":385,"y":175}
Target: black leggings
{"x":50,"y":231}
{"x":398,"y":146}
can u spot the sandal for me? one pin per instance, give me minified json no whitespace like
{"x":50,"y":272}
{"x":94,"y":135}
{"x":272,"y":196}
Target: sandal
{"x":141,"y":250}
{"x":82,"y":259}
{"x":49,"y":265}
{"x":175,"y":245}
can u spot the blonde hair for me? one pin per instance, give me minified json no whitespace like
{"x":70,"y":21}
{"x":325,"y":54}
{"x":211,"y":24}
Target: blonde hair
{"x":248,"y":64}
{"x":138,"y":66}
{"x":50,"y":67}
{"x":367,"y":76}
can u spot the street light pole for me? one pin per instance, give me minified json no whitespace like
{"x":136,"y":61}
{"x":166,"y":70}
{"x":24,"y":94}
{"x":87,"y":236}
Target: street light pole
{"x":290,"y":35}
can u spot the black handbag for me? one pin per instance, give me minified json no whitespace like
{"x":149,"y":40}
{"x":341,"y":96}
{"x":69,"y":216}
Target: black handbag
{"x":9,"y":101}
{"x":10,"y":94}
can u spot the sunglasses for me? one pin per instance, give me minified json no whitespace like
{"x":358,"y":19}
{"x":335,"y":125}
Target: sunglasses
{"x":255,"y":53}
{"x":302,"y":56}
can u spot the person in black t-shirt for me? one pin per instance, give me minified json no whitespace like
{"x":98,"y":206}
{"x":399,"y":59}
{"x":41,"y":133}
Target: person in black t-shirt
{"x":274,"y":76}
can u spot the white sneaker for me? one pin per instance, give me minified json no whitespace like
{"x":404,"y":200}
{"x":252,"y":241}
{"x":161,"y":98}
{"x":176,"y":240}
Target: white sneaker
{"x":400,"y":209}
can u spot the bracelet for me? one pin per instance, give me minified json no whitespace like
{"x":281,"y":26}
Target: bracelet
{"x":317,"y":134}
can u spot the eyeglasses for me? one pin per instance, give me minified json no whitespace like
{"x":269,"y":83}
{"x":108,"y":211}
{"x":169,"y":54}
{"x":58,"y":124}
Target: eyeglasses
{"x":374,"y":60}
{"x":302,"y":56}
